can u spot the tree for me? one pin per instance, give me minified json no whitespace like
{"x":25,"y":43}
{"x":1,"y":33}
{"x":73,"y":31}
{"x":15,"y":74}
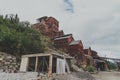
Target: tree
{"x":17,"y":38}
{"x":111,"y":65}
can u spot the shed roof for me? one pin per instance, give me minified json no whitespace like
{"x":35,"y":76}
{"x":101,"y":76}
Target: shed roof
{"x":47,"y":54}
{"x":88,"y":56}
{"x":63,"y":37}
{"x":75,"y":42}
{"x":98,"y":60}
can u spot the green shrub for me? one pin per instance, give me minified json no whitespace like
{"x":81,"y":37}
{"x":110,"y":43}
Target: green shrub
{"x":17,"y":38}
{"x":111,"y":65}
{"x":91,"y":69}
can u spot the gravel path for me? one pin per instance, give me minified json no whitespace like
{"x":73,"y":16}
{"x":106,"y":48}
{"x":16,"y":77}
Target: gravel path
{"x":75,"y":76}
{"x":17,"y":76}
{"x":107,"y":76}
{"x":33,"y":76}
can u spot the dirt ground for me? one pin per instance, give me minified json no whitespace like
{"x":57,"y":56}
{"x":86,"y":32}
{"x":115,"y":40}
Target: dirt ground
{"x":71,"y":76}
{"x":107,"y":76}
{"x":76,"y":76}
{"x":33,"y":76}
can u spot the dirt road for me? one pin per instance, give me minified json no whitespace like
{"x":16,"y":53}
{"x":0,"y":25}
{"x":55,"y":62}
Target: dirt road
{"x":107,"y":76}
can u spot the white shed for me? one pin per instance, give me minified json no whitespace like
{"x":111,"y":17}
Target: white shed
{"x":45,"y":63}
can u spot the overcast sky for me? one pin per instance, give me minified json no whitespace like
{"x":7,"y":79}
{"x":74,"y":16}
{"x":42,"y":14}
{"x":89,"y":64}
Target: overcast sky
{"x":95,"y":22}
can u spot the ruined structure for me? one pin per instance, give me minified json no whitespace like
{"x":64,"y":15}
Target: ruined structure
{"x":46,"y":63}
{"x":49,"y":26}
{"x":75,"y":47}
{"x":62,"y":42}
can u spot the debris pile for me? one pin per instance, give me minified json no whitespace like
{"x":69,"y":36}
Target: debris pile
{"x":83,"y":75}
{"x":74,"y":76}
{"x":8,"y":63}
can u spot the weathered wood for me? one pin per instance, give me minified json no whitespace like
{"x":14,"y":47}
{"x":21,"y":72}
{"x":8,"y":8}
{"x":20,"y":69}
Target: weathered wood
{"x":67,"y":66}
{"x":24,"y":63}
{"x":50,"y":65}
{"x":27,"y":65}
{"x":36,"y":64}
{"x":47,"y":54}
{"x":35,"y":55}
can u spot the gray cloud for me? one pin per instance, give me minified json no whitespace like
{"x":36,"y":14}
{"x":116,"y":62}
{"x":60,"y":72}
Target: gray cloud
{"x":69,"y":6}
{"x":95,"y":22}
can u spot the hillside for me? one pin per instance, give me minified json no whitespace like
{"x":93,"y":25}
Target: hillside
{"x":18,"y":38}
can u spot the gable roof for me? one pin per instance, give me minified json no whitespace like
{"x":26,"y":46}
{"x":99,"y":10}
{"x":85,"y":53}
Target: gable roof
{"x":63,"y":37}
{"x":75,"y":42}
{"x":92,"y":51}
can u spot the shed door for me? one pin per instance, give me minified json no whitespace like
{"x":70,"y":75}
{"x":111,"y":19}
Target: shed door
{"x":23,"y":66}
{"x":60,"y":66}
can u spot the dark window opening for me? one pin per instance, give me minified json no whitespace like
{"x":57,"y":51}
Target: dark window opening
{"x":43,"y":64}
{"x":54,"y":65}
{"x":31,"y":65}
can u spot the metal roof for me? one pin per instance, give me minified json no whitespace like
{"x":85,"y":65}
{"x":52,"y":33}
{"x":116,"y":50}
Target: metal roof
{"x":62,"y":37}
{"x":74,"y":42}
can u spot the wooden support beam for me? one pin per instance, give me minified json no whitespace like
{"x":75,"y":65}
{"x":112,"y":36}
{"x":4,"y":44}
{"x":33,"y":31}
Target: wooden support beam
{"x":36,"y":64}
{"x":67,"y":66}
{"x":27,"y":65}
{"x":50,"y":65}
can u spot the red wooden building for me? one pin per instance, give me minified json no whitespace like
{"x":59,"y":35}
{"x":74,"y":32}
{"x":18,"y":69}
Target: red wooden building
{"x":91,"y":53}
{"x":75,"y":47}
{"x":76,"y":50}
{"x":91,"y":56}
{"x":48,"y":26}
{"x":63,"y":42}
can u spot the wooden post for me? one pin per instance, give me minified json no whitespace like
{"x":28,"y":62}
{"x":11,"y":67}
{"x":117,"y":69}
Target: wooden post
{"x":27,"y":64}
{"x":50,"y":65}
{"x":36,"y":64}
{"x":67,"y":66}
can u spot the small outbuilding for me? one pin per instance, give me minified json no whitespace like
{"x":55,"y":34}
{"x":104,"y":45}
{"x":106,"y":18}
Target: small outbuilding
{"x":46,"y":63}
{"x":100,"y":64}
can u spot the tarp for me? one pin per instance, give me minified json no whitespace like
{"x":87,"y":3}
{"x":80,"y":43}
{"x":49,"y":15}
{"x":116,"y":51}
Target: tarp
{"x":60,"y":66}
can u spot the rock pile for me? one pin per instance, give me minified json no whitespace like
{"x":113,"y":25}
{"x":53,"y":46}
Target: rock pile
{"x":8,"y":63}
{"x":83,"y":75}
{"x":74,"y":76}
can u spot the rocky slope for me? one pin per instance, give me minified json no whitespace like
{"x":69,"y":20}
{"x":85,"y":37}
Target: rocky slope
{"x":8,"y":63}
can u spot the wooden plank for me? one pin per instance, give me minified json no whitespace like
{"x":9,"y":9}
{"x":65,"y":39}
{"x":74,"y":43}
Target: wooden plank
{"x":36,"y":64}
{"x":35,"y":55}
{"x":46,"y":54}
{"x":27,"y":65}
{"x":24,"y":63}
{"x":50,"y":65}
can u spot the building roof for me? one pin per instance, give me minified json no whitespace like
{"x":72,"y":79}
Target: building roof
{"x":63,"y":37}
{"x":98,"y":60}
{"x":61,"y":31}
{"x":75,"y":42}
{"x":47,"y":54}
{"x":47,"y":18}
{"x":88,"y":56}
{"x":39,"y":19}
{"x":86,"y":51}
